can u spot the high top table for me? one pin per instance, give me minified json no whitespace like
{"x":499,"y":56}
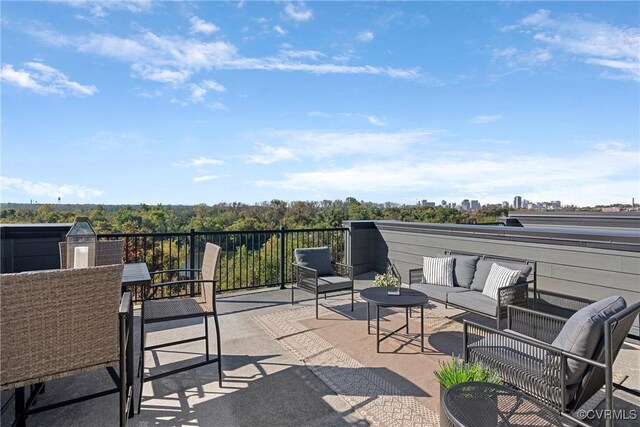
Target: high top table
{"x":136,"y":274}
{"x":407,"y":299}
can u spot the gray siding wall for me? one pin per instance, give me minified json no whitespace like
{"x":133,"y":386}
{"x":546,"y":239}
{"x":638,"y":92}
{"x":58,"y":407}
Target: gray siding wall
{"x":590,"y":268}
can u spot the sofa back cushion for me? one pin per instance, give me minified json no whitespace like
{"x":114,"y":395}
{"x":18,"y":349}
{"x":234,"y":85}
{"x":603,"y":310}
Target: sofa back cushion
{"x":464,"y":268}
{"x":484,"y":267}
{"x":437,"y":271}
{"x":317,"y":258}
{"x":583,"y":332}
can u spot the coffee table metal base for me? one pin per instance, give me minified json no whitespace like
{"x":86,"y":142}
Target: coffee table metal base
{"x":396,"y":332}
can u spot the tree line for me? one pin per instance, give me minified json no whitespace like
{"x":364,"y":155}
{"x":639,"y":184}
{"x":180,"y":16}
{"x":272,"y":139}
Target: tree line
{"x":239,"y":216}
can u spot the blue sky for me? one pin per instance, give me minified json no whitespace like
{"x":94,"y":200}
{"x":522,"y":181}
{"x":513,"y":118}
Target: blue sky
{"x":203,"y":102}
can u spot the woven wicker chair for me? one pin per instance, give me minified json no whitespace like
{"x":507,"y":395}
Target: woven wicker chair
{"x":108,"y":252}
{"x":59,"y":323}
{"x":164,"y":310}
{"x":529,"y":356}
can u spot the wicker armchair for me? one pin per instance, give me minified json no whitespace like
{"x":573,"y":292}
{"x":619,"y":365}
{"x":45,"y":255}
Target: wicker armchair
{"x":59,"y":323}
{"x":175,"y":308}
{"x":313,"y":271}
{"x":530,"y":356}
{"x":108,"y":252}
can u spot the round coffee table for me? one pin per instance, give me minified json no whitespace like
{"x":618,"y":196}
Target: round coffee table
{"x":483,"y":404}
{"x":407,"y":299}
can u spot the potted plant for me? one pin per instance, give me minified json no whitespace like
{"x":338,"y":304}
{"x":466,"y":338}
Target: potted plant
{"x":457,"y":371}
{"x":388,"y":280}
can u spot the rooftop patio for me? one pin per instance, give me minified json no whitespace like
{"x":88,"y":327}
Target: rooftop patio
{"x":283,"y":367}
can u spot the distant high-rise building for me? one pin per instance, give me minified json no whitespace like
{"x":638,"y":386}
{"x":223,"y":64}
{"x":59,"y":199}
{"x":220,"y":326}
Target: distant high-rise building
{"x":505,"y":204}
{"x":443,"y":203}
{"x":475,"y":205}
{"x":465,"y":205}
{"x":517,"y":202}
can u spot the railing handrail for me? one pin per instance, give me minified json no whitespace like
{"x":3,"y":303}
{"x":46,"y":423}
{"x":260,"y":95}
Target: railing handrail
{"x":223,"y":232}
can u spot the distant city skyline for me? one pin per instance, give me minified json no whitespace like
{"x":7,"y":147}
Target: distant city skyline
{"x":151,"y":102}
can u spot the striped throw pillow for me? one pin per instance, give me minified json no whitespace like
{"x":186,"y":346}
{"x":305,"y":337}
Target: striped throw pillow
{"x":438,"y":271}
{"x":499,"y":277}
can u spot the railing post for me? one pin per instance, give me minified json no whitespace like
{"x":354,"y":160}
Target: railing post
{"x":282,"y":260}
{"x":192,"y":258}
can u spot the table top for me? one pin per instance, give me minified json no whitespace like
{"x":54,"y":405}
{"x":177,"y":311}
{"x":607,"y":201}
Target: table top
{"x":484,"y":404}
{"x":407,"y":297}
{"x":135,"y":274}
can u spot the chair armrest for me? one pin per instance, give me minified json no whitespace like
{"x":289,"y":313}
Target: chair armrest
{"x":179,"y":282}
{"x":343,"y":270}
{"x":125,"y":303}
{"x":512,"y":295}
{"x":415,"y":275}
{"x":542,"y":326}
{"x":304,"y":275}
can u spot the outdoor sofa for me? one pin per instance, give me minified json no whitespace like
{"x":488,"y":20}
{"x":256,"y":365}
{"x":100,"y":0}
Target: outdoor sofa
{"x":459,"y":279}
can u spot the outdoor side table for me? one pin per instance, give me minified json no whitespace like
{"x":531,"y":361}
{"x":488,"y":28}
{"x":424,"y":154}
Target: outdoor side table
{"x":483,"y":404}
{"x":407,"y":299}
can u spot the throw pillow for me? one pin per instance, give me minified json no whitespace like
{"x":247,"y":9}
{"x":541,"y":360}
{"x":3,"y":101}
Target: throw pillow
{"x":437,"y":271}
{"x":499,"y":277}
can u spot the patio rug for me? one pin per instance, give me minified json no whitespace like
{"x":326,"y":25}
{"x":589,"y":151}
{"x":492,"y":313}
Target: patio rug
{"x":376,"y":399}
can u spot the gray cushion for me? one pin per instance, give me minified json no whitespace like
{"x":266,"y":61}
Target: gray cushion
{"x":484,"y":267}
{"x":333,"y":283}
{"x":317,"y":258}
{"x":437,"y":292}
{"x":475,"y":301}
{"x":464,"y":269}
{"x":583,"y":332}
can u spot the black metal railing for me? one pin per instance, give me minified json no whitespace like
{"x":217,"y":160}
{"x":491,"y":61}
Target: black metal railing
{"x":249,"y":259}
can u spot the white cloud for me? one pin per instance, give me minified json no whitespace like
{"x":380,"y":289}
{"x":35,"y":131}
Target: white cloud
{"x":486,"y":118}
{"x":198,"y":162}
{"x":317,"y":144}
{"x":206,"y":178}
{"x":200,"y":26}
{"x":46,"y":189}
{"x":267,"y":154}
{"x":517,"y":58}
{"x":375,"y":121}
{"x":162,"y":75}
{"x":44,"y":80}
{"x":318,"y":114}
{"x":365,"y":36}
{"x":298,"y":12}
{"x":278,"y":29}
{"x":174,"y":59}
{"x":306,"y":54}
{"x":99,"y":8}
{"x":198,"y":91}
{"x":219,"y":106}
{"x":571,"y":178}
{"x":615,"y":48}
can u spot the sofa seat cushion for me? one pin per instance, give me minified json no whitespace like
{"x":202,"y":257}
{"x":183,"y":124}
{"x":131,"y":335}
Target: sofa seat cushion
{"x":333,"y":283}
{"x":484,"y":267}
{"x":464,"y":268}
{"x":475,"y":301}
{"x":437,"y":292}
{"x":584,"y":331}
{"x":317,"y":258}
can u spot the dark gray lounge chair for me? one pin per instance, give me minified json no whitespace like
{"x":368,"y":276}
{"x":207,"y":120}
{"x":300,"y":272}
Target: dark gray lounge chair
{"x":313,"y":271}
{"x":562,"y":362}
